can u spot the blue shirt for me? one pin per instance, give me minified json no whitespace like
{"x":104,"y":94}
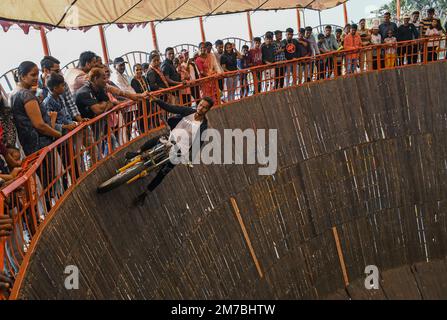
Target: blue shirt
{"x":52,"y":104}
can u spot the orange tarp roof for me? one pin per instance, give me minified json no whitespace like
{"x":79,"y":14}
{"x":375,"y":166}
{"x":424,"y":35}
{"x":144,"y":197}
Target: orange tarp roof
{"x":82,"y":13}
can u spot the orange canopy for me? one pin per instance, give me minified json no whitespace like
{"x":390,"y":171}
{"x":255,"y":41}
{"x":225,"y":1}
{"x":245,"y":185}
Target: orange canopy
{"x":84,"y":13}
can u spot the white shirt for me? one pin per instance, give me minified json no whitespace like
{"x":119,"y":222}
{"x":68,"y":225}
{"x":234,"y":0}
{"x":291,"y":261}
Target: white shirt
{"x":75,"y":78}
{"x":184,"y":134}
{"x":122,"y":81}
{"x":433,"y":33}
{"x":376,"y":39}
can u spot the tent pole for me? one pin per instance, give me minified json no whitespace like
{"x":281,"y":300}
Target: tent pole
{"x":304,"y":17}
{"x":319,"y":18}
{"x":345,"y":13}
{"x":398,"y":8}
{"x":298,"y":17}
{"x":154,"y":36}
{"x":202,"y":29}
{"x":105,"y":53}
{"x":250,"y":30}
{"x":43,"y":36}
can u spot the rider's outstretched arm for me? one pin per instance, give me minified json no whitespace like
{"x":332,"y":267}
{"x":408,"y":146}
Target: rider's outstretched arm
{"x":183,"y":111}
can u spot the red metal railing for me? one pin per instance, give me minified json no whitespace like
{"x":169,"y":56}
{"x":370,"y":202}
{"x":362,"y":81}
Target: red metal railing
{"x":50,"y":175}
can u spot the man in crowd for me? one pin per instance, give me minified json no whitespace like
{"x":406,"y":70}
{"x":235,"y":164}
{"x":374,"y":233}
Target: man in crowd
{"x":407,"y":32}
{"x":426,"y":22}
{"x":292,"y":51}
{"x":387,"y":25}
{"x":279,"y":57}
{"x":353,"y":41}
{"x":48,"y":65}
{"x":306,"y":51}
{"x":415,"y":20}
{"x":268,"y":57}
{"x":255,"y":59}
{"x":169,"y":70}
{"x":92,"y":98}
{"x":119,"y":77}
{"x":331,"y":45}
{"x":217,"y":55}
{"x":314,"y":49}
{"x":76,"y":78}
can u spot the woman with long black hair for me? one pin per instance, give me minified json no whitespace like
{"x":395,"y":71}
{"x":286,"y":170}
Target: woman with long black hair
{"x":30,"y":118}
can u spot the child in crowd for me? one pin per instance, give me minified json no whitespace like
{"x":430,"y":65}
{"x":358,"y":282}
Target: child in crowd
{"x":53,"y":104}
{"x":244,"y":63}
{"x":376,"y":39}
{"x":391,"y":50}
{"x":435,"y":30}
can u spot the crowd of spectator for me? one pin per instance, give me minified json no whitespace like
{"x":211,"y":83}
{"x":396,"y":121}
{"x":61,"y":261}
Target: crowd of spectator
{"x":47,"y":104}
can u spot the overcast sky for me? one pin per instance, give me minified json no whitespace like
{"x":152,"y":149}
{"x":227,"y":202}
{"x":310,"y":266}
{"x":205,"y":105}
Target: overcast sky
{"x":67,"y":45}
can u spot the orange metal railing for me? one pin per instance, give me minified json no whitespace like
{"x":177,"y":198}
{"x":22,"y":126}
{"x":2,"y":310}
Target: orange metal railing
{"x":53,"y":172}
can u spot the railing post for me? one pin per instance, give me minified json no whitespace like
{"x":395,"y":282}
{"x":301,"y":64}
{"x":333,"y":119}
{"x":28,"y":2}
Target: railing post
{"x":72,"y":159}
{"x":145,"y":104}
{"x":109,"y":134}
{"x":294,"y":73}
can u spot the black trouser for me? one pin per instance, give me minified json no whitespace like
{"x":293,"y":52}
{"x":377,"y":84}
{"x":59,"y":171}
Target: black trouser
{"x":329,"y":66}
{"x":279,"y":77}
{"x":164,"y":169}
{"x":221,"y":84}
{"x":375,"y":63}
{"x":321,"y":70}
{"x":244,"y":85}
{"x":416,"y":52}
{"x":259,"y":77}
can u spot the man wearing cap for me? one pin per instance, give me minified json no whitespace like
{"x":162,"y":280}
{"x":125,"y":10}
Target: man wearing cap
{"x":376,"y":39}
{"x":406,"y":32}
{"x":426,"y":22}
{"x":118,"y":76}
{"x":387,"y":25}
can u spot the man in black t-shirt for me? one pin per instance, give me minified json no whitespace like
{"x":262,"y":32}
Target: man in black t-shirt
{"x":407,"y":32}
{"x":168,"y":68}
{"x":92,"y":98}
{"x":292,"y":51}
{"x":268,"y":57}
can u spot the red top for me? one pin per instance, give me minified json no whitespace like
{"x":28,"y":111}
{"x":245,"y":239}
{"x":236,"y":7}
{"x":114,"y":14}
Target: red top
{"x":254,"y":57}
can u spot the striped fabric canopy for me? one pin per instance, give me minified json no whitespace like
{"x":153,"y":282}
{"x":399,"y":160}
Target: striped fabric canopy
{"x":85,"y":13}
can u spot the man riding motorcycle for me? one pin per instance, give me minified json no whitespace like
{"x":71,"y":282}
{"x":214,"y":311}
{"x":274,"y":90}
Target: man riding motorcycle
{"x":185,"y":126}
